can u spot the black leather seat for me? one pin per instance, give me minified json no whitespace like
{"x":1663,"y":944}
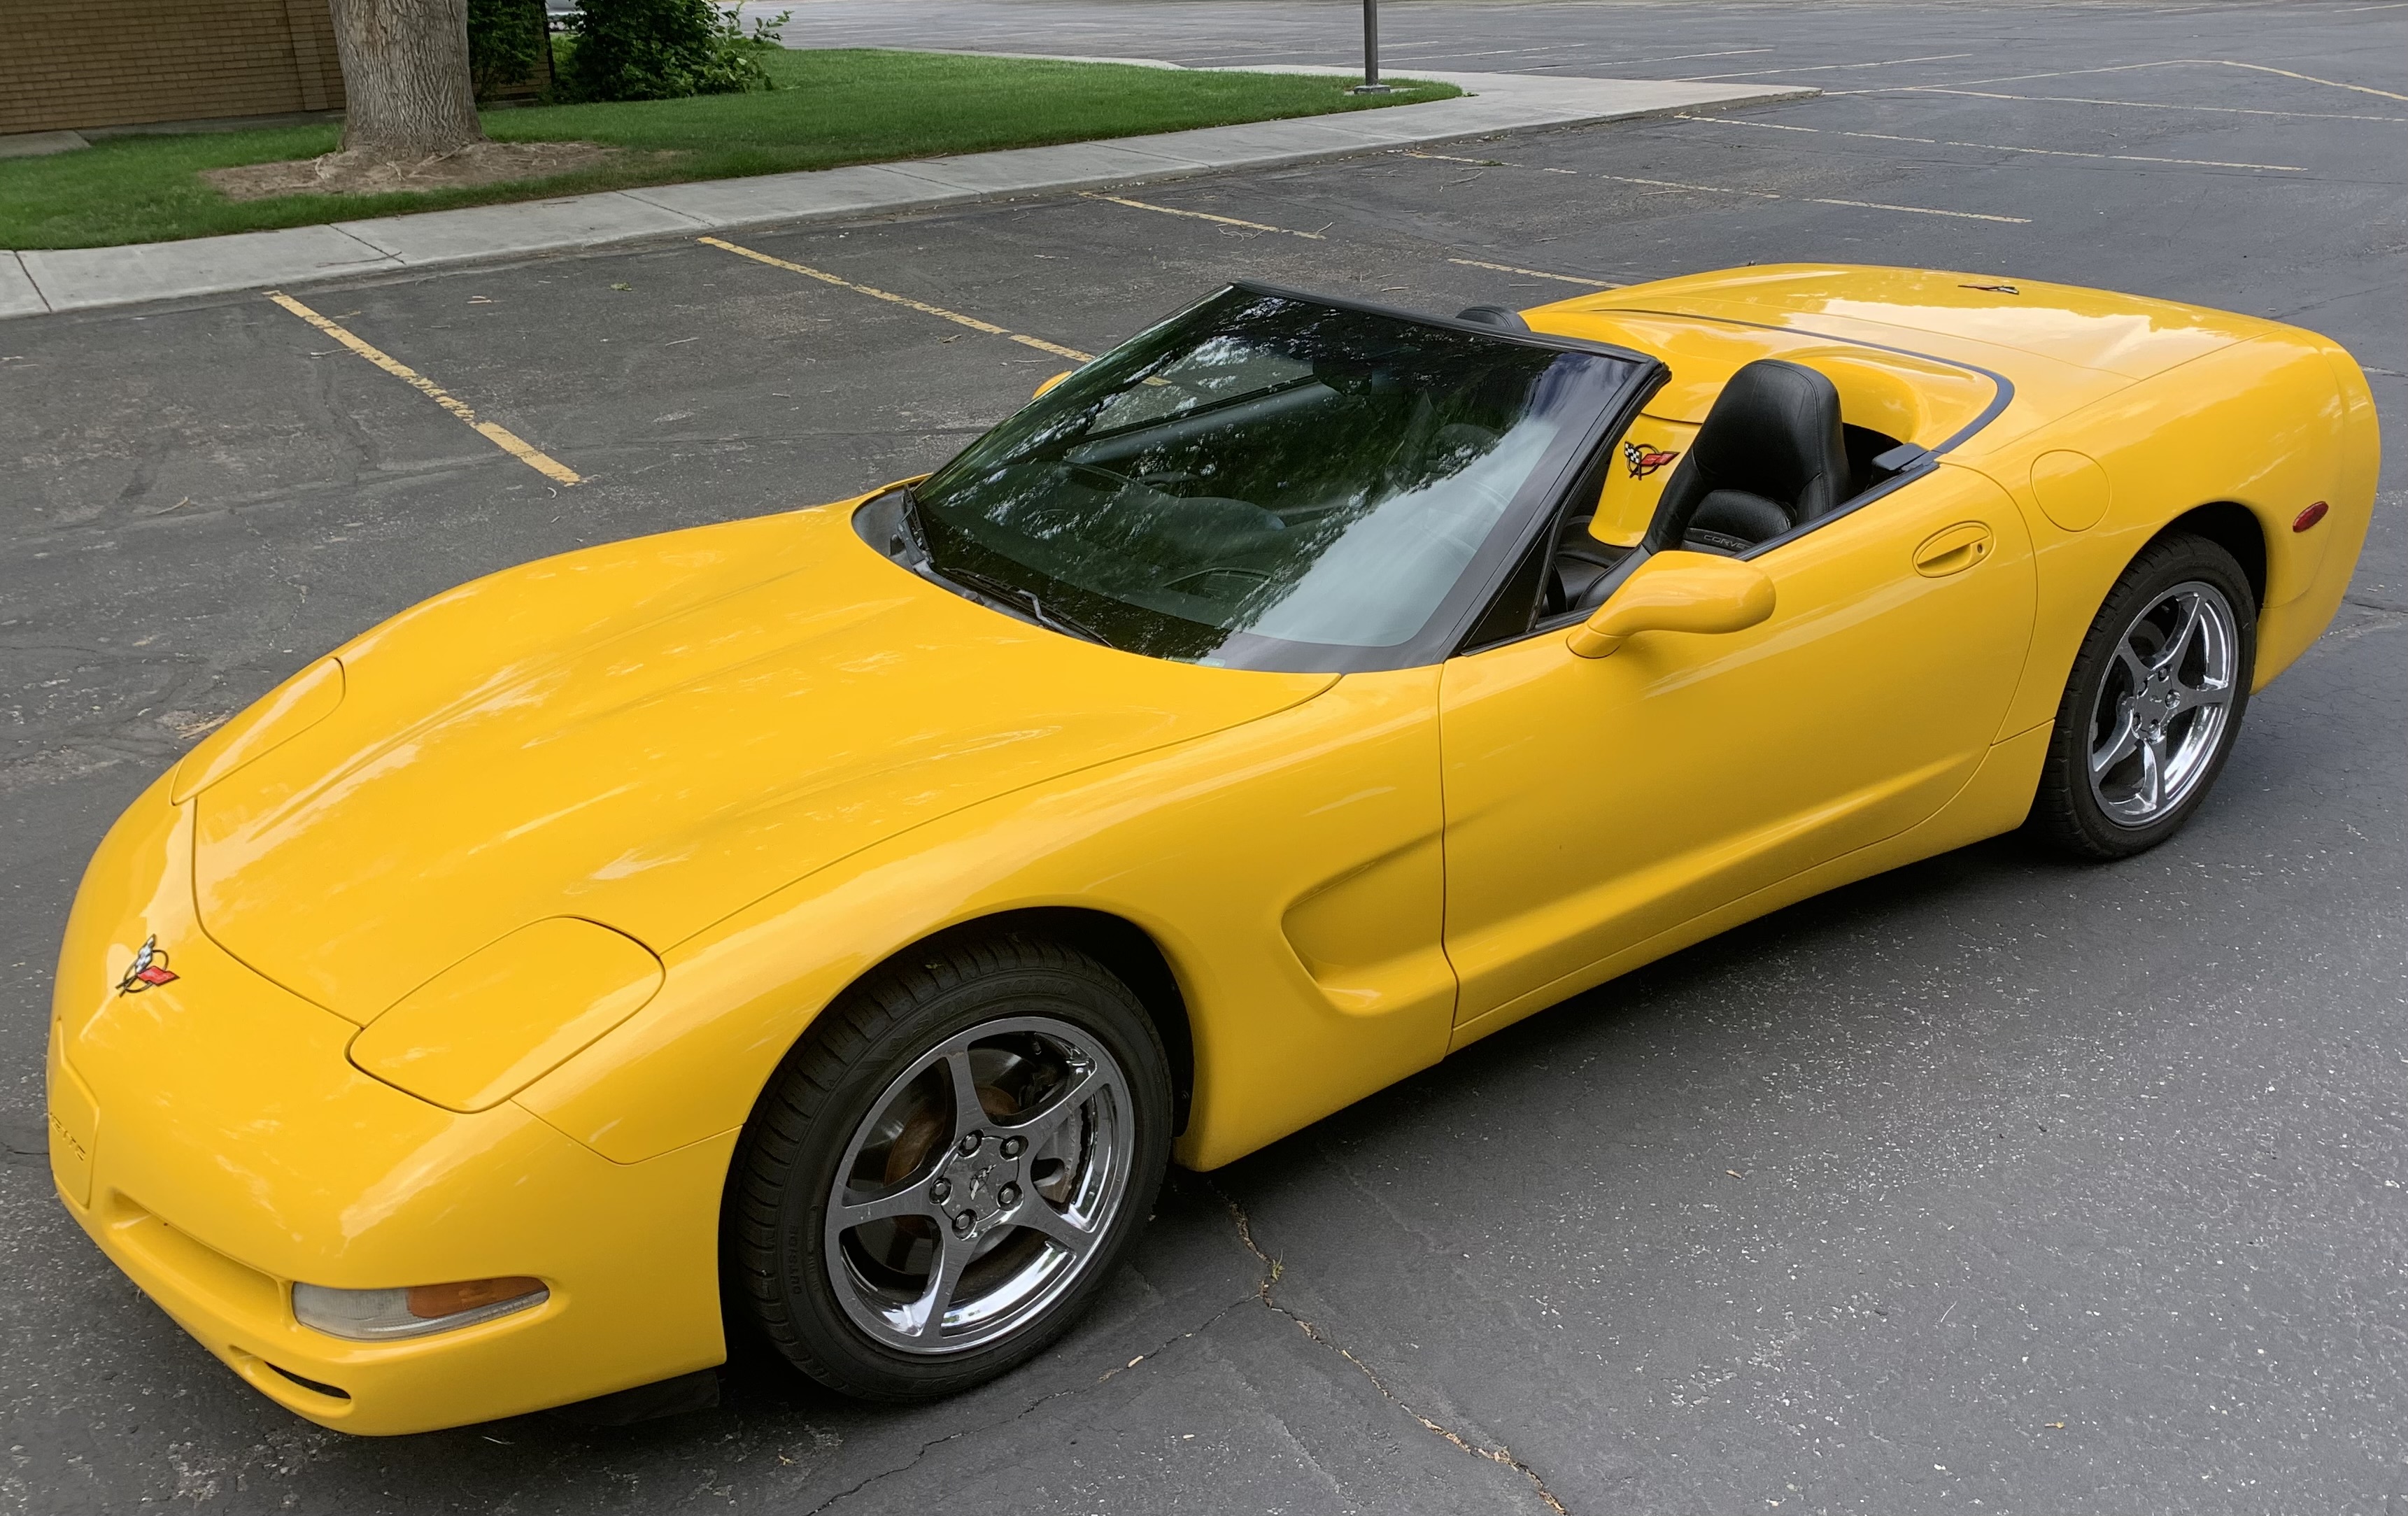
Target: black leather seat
{"x":1769,"y":456}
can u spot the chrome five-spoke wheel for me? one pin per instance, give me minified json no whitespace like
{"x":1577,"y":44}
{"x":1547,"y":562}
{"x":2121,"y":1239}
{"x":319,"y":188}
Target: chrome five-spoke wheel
{"x":2153,"y":701}
{"x":2159,"y":716}
{"x":978,"y":1188}
{"x":949,"y":1164}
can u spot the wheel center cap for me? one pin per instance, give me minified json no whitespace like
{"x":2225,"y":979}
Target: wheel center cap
{"x":2152,"y":704}
{"x":972,"y":1180}
{"x":977,"y":1186}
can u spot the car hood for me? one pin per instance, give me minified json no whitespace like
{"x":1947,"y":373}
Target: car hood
{"x":651,"y":734}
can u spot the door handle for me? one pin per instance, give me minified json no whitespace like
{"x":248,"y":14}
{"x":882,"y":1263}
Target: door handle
{"x":1953,"y":549}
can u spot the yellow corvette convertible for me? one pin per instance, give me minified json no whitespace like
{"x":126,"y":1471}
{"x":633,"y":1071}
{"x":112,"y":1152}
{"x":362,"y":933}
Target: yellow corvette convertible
{"x":829,"y":925}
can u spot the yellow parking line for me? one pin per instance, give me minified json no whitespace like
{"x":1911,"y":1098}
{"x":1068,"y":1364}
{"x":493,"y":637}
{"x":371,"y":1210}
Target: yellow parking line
{"x":954,"y":316}
{"x":1922,"y":210}
{"x":1483,"y":163}
{"x":1316,"y":236}
{"x":1534,"y":273}
{"x":500,"y":436}
{"x":2172,"y":62}
{"x":2262,"y":68}
{"x":1754,"y":195}
{"x":2140,"y":105}
{"x":1998,"y":147}
{"x":1827,"y":68}
{"x":1468,"y":263}
{"x":1814,"y":199}
{"x":1202,"y":216}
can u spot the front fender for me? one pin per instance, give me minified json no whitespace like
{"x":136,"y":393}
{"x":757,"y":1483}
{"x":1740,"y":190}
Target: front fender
{"x":1289,"y":871}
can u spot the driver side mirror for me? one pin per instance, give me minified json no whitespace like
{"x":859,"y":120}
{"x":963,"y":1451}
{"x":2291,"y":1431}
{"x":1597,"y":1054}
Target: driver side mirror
{"x":1677,"y":591}
{"x":1049,"y":383}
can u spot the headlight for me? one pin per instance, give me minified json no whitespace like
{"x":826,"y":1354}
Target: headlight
{"x":377,"y":1315}
{"x":508,"y":1013}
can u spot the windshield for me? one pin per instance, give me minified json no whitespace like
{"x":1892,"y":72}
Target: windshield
{"x":1266,"y":481}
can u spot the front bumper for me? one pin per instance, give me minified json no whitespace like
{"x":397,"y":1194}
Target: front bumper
{"x":211,"y":1136}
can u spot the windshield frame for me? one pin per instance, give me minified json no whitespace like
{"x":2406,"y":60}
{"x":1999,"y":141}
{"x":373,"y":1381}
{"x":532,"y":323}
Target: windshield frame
{"x":1534,"y":504}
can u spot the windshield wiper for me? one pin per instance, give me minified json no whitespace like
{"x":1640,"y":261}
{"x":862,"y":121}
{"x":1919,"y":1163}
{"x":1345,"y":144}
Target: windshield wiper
{"x":913,"y":523}
{"x":1002,"y":589}
{"x":1022,"y":596}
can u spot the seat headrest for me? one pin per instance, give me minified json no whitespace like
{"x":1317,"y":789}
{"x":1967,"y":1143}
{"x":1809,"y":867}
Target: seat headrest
{"x":1774,"y":431}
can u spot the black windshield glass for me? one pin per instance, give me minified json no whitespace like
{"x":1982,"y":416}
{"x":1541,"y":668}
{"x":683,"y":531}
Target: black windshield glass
{"x":1266,"y":481}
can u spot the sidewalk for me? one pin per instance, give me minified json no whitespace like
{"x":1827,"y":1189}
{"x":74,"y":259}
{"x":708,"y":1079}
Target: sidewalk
{"x":33,"y":283}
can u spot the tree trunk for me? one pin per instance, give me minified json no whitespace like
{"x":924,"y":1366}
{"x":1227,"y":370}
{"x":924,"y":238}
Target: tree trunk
{"x":406,"y":77}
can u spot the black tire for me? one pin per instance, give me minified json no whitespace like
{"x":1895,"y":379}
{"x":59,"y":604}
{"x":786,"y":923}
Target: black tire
{"x":846,"y":1071}
{"x":2067,"y":812}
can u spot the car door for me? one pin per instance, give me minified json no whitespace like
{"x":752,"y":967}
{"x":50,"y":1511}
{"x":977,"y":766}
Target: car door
{"x":1593,"y":803}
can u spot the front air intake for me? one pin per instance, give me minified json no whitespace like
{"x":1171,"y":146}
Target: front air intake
{"x":311,"y":1385}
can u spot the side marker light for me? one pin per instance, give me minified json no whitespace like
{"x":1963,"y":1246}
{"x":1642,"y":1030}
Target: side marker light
{"x":2309,"y":517}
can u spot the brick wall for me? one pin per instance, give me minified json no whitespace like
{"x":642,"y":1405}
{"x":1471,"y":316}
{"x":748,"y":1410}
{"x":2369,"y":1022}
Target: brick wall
{"x":67,"y":64}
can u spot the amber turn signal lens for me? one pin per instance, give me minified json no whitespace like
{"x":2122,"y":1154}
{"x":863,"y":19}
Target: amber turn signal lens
{"x":430,"y":1302}
{"x":375,"y":1315}
{"x":2309,"y":517}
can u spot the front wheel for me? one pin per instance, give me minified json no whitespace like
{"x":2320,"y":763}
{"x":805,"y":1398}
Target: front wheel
{"x":2153,"y":702}
{"x":949,"y":1167}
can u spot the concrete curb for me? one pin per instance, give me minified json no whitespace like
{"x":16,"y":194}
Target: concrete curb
{"x":17,"y":297}
{"x":84,"y":278}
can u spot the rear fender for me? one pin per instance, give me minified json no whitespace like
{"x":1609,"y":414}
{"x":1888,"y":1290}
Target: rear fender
{"x":2261,"y":425}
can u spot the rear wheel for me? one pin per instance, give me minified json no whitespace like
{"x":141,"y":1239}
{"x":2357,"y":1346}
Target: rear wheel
{"x":2154,"y":704}
{"x":949,"y":1167}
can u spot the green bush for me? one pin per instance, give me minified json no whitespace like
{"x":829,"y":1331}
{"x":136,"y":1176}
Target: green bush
{"x":504,"y":40}
{"x":659,"y":50}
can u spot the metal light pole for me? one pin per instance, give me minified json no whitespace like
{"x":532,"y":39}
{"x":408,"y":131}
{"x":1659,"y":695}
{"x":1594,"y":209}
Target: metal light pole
{"x":1372,"y":84}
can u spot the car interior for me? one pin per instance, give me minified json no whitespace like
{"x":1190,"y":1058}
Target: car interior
{"x":1771,"y":455}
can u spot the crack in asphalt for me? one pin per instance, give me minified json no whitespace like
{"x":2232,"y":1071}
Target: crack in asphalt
{"x":1261,"y":1296}
{"x":1272,"y":1270}
{"x":923,"y":1450}
{"x":2383,"y":618}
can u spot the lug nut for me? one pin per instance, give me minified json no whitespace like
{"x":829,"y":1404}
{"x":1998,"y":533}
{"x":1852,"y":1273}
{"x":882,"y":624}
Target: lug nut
{"x":1013,"y":1147}
{"x":962,"y":1223}
{"x":940,"y":1191}
{"x":1008,"y":1195}
{"x":969,"y":1143}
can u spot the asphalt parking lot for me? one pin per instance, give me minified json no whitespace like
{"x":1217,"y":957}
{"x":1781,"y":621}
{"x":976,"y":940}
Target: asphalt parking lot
{"x":1997,"y":1184}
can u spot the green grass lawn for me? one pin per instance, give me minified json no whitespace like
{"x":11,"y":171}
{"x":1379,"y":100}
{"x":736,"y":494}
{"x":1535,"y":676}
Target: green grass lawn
{"x":830,"y":108}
